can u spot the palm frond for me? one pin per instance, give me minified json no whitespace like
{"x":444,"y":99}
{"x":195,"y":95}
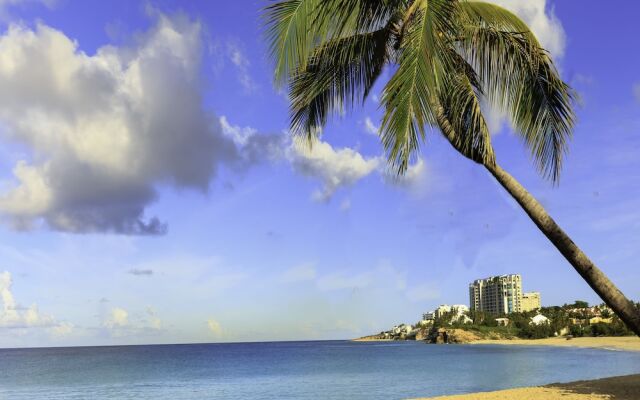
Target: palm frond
{"x":460,"y":116}
{"x":339,"y":74}
{"x":409,"y":97}
{"x":518,"y":75}
{"x":294,"y":28}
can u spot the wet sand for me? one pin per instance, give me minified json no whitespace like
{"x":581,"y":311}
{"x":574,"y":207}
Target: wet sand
{"x":616,"y":388}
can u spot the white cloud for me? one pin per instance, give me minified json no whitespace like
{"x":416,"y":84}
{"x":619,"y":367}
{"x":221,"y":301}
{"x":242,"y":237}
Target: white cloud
{"x":239,"y":134}
{"x":120,"y":322}
{"x":153,"y":320}
{"x":14,"y":316}
{"x":239,"y":59}
{"x":105,"y":130}
{"x":370,"y":127}
{"x":541,"y":18}
{"x":304,"y":272}
{"x":62,"y":329}
{"x":636,"y":91}
{"x":214,"y":327}
{"x":335,"y":168}
{"x":118,"y":318}
{"x":253,"y":146}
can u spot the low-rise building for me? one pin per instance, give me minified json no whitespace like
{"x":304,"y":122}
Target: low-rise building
{"x":530,"y":301}
{"x":428,"y":316}
{"x":539,"y":320}
{"x":600,"y":320}
{"x":441,"y":311}
{"x":456,"y":313}
{"x":402,"y":328}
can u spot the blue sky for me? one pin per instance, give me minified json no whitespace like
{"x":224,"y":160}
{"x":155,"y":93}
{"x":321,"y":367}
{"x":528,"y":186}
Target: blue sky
{"x":149,"y":193}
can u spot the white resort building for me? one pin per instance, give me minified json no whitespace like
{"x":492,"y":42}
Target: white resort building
{"x":501,"y":295}
{"x":457,"y":312}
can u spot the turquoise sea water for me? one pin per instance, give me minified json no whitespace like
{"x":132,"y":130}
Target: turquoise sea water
{"x":295,"y":370}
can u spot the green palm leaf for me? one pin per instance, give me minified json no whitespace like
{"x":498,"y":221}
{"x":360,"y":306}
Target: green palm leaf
{"x":411,"y":94}
{"x":294,"y":28}
{"x":339,"y":74}
{"x":518,"y":75}
{"x":460,"y":116}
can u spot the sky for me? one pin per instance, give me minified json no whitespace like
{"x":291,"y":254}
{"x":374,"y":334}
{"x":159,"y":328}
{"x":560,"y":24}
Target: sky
{"x":149,"y":192}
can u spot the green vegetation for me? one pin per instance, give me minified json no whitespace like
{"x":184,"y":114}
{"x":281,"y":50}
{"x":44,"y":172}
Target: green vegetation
{"x":575,"y":319}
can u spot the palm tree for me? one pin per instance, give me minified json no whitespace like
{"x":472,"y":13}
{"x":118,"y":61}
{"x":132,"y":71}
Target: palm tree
{"x":446,"y":56}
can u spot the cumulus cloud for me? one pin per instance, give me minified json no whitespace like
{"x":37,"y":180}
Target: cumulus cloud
{"x":117,"y":318}
{"x":120,"y":322}
{"x":335,"y":168}
{"x":254,"y":147}
{"x":14,"y":316}
{"x":214,"y":327}
{"x":541,"y":18}
{"x":105,"y":130}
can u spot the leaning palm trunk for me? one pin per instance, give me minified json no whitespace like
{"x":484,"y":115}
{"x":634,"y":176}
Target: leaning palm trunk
{"x":598,"y":281}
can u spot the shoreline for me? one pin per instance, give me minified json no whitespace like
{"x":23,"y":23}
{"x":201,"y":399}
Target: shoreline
{"x":614,"y":343}
{"x":624,"y":387}
{"x":620,"y":343}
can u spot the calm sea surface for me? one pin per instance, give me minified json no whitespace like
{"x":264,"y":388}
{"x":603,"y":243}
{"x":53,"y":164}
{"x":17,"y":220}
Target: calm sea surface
{"x":294,"y":370}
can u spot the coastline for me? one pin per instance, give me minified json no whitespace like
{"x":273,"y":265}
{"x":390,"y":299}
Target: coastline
{"x":619,"y":388}
{"x":620,"y":343}
{"x":625,"y":343}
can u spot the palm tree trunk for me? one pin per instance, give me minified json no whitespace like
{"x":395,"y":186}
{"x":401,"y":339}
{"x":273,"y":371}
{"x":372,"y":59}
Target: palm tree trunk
{"x":598,"y":281}
{"x":608,"y":292}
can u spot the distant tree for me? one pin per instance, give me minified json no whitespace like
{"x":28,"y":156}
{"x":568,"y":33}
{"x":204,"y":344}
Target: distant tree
{"x":532,"y":331}
{"x":576,"y":330}
{"x":580,"y":304}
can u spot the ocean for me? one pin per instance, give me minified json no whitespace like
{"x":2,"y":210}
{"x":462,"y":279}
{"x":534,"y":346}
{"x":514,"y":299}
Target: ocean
{"x":295,"y":370}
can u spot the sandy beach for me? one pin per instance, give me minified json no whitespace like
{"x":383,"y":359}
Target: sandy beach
{"x":628,"y":343}
{"x":616,"y":388}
